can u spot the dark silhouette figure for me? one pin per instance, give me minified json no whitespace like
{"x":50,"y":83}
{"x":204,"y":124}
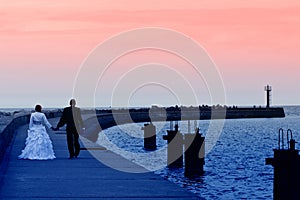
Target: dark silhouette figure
{"x":72,"y":118}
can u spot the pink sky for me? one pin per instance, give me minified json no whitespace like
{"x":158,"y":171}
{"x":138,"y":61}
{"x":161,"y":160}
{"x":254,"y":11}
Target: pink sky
{"x":253,"y":43}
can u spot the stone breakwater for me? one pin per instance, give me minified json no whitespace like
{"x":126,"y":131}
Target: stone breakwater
{"x":104,"y":119}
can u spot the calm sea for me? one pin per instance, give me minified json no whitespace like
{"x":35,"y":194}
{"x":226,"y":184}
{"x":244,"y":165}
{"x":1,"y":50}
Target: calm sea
{"x":234,"y":168}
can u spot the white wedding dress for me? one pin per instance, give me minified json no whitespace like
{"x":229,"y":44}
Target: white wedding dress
{"x":38,"y":143}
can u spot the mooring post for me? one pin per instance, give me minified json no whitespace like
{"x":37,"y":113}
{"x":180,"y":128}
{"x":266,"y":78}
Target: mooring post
{"x":286,"y":163}
{"x":149,"y":136}
{"x":194,"y":154}
{"x":175,"y":148}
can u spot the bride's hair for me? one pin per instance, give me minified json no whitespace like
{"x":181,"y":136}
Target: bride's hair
{"x":38,"y":108}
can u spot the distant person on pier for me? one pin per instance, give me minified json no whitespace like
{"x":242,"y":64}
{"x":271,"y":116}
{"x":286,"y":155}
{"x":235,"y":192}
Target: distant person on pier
{"x":72,"y":118}
{"x":38,"y":143}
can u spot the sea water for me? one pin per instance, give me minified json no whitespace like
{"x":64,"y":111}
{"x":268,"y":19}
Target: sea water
{"x":235,"y":164}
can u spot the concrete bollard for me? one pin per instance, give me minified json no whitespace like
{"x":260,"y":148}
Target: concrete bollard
{"x":194,"y":154}
{"x":286,"y":163}
{"x":175,"y":148}
{"x":149,"y":136}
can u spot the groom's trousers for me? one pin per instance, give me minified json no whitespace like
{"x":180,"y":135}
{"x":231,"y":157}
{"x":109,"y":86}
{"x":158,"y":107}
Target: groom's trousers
{"x":72,"y":139}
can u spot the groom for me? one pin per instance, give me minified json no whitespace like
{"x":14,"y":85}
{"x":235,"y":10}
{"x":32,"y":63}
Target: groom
{"x":72,"y":118}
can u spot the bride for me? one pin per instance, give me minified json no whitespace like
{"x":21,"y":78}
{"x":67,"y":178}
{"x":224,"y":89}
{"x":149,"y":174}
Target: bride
{"x":38,"y":143}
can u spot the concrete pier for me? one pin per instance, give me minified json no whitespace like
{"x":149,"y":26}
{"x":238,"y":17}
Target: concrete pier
{"x":149,"y":136}
{"x":286,"y":163}
{"x":81,"y":178}
{"x":194,"y":158}
{"x":175,"y":148}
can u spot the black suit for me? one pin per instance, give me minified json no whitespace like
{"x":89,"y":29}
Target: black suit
{"x":72,"y":117}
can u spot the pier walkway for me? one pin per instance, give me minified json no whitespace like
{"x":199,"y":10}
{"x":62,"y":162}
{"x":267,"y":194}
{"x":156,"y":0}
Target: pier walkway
{"x":81,"y":178}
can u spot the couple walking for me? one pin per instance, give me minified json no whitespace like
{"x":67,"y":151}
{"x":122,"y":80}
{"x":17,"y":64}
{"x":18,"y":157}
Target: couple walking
{"x":38,"y":144}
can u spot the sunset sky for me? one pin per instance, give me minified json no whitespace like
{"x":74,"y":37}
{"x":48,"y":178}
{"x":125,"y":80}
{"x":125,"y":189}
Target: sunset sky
{"x":252,"y":42}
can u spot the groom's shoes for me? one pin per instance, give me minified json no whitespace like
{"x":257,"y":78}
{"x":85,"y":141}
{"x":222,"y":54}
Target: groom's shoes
{"x":76,"y":155}
{"x":71,"y":157}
